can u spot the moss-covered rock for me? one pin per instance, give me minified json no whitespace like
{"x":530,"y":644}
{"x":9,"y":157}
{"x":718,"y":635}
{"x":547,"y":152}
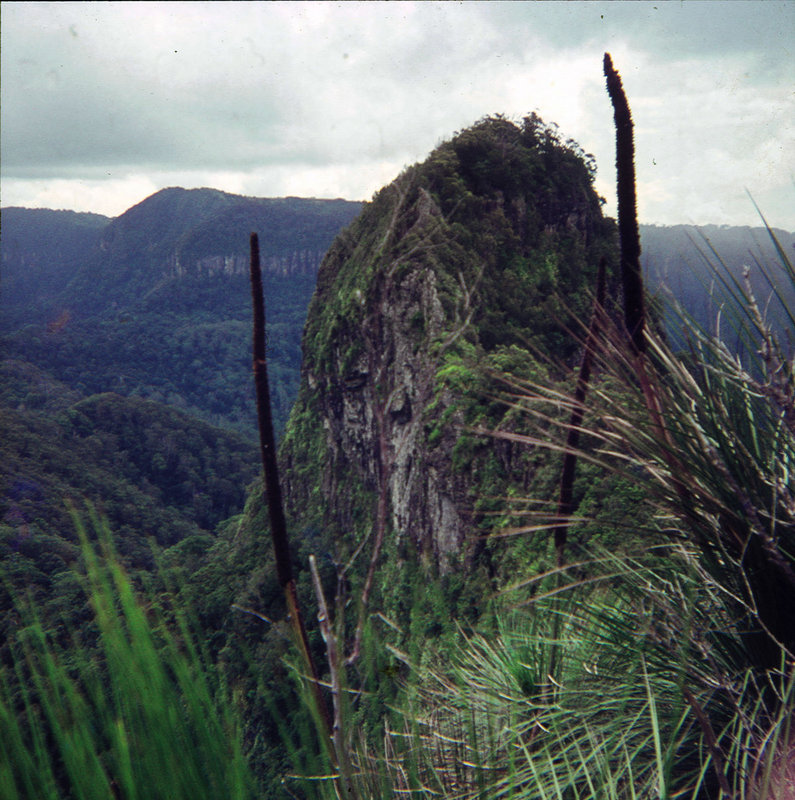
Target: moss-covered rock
{"x":471,"y":261}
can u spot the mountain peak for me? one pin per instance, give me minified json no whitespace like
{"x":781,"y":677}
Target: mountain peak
{"x":468,"y":260}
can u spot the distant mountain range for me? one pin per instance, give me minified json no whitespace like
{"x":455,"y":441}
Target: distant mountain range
{"x":698,"y":267}
{"x":92,"y":265}
{"x":156,"y":302}
{"x":99,"y":318}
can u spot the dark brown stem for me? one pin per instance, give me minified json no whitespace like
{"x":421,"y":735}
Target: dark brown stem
{"x":711,"y":740}
{"x":632,"y":280}
{"x":336,"y":669}
{"x":267,"y":441}
{"x":566,"y":498}
{"x":273,"y":493}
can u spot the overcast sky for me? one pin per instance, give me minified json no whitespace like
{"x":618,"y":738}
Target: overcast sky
{"x":105,"y":103}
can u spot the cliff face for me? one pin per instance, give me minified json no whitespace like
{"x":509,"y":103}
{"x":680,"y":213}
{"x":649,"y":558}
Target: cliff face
{"x":298,"y":262}
{"x":201,"y":234}
{"x":460,"y":266}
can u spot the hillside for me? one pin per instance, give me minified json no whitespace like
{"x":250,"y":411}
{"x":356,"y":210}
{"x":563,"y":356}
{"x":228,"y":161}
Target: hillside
{"x":421,"y":464}
{"x":467,"y":263}
{"x":41,"y":252}
{"x":134,"y":305}
{"x":157,"y":475}
{"x":155,"y":303}
{"x":441,"y":316}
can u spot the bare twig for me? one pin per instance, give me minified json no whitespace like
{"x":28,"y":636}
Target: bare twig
{"x":335,"y":666}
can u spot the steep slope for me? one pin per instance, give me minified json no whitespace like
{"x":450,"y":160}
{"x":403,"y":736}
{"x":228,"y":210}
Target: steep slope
{"x":474,"y":260}
{"x":178,"y":240}
{"x":41,"y":252}
{"x":468,"y":264}
{"x":157,"y":477}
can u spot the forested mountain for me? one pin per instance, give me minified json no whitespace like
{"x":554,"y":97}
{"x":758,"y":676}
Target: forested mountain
{"x":469,"y":264}
{"x":41,"y":252}
{"x":103,"y":318}
{"x":156,"y":304}
{"x":159,"y":477}
{"x":421,"y":465}
{"x":406,"y":473}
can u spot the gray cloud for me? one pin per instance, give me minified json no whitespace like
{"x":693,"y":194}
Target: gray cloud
{"x":267,"y":98}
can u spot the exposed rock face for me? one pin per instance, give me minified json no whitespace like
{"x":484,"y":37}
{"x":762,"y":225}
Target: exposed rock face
{"x":178,"y":235}
{"x":299,"y":262}
{"x":450,"y":269}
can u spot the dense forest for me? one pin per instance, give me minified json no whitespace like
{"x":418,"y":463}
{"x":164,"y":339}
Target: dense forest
{"x":429,"y":355}
{"x":148,"y":332}
{"x":155,"y":303}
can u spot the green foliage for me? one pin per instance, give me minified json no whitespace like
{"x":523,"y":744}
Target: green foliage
{"x":463,"y":259}
{"x":155,"y":303}
{"x":722,"y":459}
{"x":197,"y":361}
{"x":159,"y":476}
{"x":41,"y":252}
{"x":653,"y":675}
{"x":147,"y":720}
{"x":602,"y":694}
{"x":669,"y":678}
{"x":627,"y":676}
{"x":122,"y":451}
{"x":526,"y":207}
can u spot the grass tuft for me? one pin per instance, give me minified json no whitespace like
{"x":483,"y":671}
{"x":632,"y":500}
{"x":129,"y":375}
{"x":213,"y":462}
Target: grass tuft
{"x":139,"y":717}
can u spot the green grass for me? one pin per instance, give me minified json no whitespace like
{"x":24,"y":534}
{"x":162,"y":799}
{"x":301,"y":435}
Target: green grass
{"x":137,"y":716}
{"x":667,"y":673}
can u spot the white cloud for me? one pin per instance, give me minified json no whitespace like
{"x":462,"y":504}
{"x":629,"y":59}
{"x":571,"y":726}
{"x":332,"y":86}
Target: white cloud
{"x":110,"y":196}
{"x":333,"y":99}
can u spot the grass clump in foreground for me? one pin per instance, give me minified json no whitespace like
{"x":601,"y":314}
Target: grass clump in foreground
{"x":138,"y":716}
{"x":667,"y":673}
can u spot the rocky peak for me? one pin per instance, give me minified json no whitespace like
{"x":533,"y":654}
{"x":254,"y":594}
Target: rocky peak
{"x":461,"y":260}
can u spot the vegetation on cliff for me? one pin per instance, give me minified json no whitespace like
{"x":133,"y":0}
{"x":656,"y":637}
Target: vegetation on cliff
{"x":658,"y":663}
{"x":390,"y":481}
{"x":665,"y":715}
{"x":475,"y":261}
